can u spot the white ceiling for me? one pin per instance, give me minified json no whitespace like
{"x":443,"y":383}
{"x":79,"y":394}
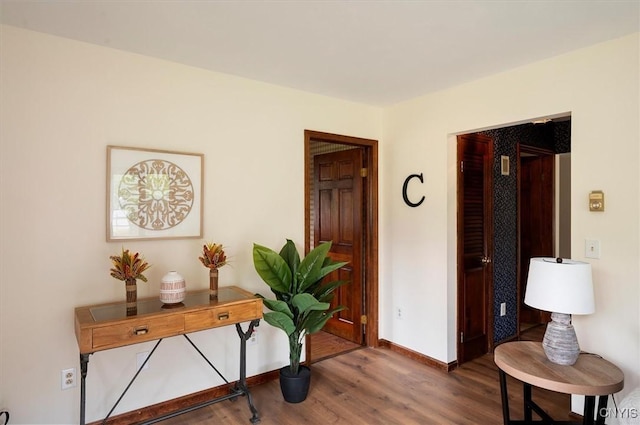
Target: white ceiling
{"x":374,"y":52}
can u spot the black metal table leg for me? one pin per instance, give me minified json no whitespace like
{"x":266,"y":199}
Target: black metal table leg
{"x":242,"y":382}
{"x":602,"y":409}
{"x":505,"y":397}
{"x":241,"y":387}
{"x":589,"y":407}
{"x":526,"y":388}
{"x":84,"y":366}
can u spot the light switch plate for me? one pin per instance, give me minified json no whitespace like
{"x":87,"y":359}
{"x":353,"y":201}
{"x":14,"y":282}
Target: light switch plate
{"x":592,"y":248}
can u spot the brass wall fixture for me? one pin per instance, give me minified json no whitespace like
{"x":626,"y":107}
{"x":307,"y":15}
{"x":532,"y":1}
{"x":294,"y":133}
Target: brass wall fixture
{"x":596,"y":201}
{"x":504,"y":165}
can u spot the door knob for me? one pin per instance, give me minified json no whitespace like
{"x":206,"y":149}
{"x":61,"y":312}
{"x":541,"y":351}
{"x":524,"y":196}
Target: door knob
{"x":485,"y":260}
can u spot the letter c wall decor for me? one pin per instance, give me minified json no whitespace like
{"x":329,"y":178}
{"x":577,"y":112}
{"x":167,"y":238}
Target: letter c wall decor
{"x":404,"y":190}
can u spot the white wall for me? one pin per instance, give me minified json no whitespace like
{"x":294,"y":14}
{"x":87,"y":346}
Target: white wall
{"x":62,"y":103}
{"x":599,"y":87}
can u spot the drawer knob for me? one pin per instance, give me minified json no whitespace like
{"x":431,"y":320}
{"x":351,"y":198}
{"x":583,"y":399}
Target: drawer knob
{"x":223,"y":316}
{"x":141,"y":331}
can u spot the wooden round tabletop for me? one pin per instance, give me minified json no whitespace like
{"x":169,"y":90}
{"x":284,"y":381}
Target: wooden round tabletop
{"x":590,"y":375}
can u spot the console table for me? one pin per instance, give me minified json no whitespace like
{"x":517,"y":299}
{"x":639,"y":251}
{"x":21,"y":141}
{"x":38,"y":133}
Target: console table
{"x":106,"y":326}
{"x":590,"y":376}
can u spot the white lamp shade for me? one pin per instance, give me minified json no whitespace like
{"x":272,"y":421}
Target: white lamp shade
{"x":564,"y":287}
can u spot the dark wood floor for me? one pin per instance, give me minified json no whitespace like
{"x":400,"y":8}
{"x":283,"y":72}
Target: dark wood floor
{"x":324,"y":345}
{"x":378,"y":386}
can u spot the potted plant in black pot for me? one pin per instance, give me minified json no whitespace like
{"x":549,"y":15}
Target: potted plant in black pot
{"x":302,"y":305}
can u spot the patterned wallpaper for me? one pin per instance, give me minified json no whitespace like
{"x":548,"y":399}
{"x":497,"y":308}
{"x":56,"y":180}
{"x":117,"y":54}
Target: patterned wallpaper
{"x":553,"y":135}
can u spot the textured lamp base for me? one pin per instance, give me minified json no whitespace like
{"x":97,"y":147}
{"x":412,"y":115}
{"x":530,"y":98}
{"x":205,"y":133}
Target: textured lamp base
{"x":560,"y":342}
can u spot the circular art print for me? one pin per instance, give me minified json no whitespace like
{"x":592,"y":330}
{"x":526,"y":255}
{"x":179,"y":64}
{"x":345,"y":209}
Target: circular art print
{"x":156,"y":194}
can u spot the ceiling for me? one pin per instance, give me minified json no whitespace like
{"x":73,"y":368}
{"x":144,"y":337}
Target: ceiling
{"x":372,"y":52}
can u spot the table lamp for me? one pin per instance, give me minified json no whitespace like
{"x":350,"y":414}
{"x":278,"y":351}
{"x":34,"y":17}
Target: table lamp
{"x":562,"y":287}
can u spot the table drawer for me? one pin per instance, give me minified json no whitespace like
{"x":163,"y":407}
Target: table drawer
{"x":222,"y":316}
{"x":137,"y":331}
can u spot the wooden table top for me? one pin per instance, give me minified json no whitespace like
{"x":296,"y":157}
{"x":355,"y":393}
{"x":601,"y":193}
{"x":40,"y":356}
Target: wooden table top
{"x":590,"y":375}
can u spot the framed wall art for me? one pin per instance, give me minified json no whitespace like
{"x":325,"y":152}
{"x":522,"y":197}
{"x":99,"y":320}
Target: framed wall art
{"x":153,"y":194}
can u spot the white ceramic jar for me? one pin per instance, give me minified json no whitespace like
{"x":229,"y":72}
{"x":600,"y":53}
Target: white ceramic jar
{"x":172,"y":288}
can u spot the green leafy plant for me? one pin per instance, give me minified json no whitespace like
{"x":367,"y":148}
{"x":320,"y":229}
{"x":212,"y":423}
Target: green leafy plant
{"x":303,"y":302}
{"x":127,"y":266}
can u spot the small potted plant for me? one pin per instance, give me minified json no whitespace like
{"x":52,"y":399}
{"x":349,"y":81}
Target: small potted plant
{"x":302,"y":305}
{"x":213,"y":257}
{"x":129,"y":269}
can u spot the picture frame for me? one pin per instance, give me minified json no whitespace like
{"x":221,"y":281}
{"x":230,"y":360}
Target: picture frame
{"x":153,"y":194}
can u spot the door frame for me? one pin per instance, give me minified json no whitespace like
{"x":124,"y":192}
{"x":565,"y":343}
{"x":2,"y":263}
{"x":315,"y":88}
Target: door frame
{"x":370,"y":223}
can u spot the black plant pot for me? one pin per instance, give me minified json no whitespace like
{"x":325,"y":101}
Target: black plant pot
{"x":295,"y":387}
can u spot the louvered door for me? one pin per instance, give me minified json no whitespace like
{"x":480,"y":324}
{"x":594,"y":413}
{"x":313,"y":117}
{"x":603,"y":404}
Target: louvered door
{"x":475,"y":155}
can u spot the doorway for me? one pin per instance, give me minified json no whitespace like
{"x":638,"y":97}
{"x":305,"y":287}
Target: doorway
{"x":505,"y":288}
{"x":536,"y":199}
{"x":341,"y":205}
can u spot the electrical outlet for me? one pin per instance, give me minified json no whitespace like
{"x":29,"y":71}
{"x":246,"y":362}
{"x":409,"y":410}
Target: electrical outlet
{"x":140,"y":358}
{"x":253,"y":339}
{"x":67,"y":378}
{"x":503,"y":309}
{"x":399,"y":313}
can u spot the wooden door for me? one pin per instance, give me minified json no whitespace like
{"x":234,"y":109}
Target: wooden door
{"x":475,"y":248}
{"x":338,"y":204}
{"x":536,"y":195}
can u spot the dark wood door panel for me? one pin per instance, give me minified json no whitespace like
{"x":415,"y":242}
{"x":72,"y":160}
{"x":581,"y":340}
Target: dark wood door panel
{"x":475,"y":272}
{"x":536,"y":195}
{"x":338,"y":198}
